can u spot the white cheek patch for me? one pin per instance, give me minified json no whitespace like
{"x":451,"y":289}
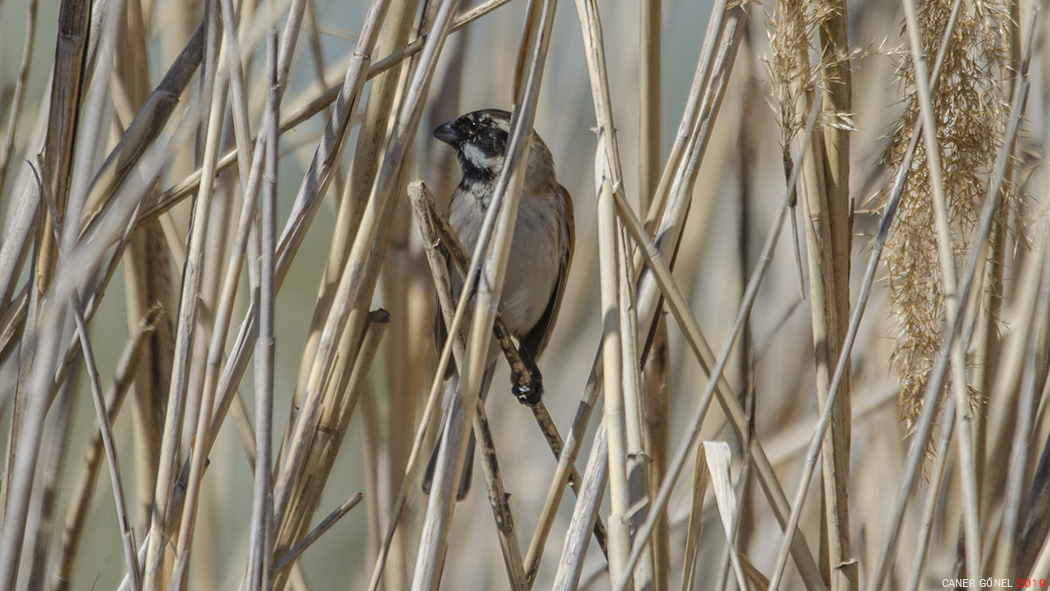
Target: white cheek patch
{"x":475,"y":155}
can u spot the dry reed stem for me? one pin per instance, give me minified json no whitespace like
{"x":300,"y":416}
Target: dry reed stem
{"x":498,"y":497}
{"x":357,"y":280}
{"x":1015,"y":367}
{"x":147,"y":277}
{"x":316,"y":533}
{"x":416,"y":192}
{"x":71,"y":77}
{"x":380,"y":113}
{"x":260,"y":565}
{"x":216,"y":349}
{"x":106,"y":432}
{"x":701,"y":479}
{"x":17,"y":242}
{"x":612,"y":363}
{"x":81,"y":499}
{"x":563,"y":473}
{"x":186,"y":324}
{"x":291,"y":239}
{"x":718,"y":464}
{"x":28,"y":415}
{"x":355,"y":285}
{"x":584,"y":515}
{"x":383,"y":102}
{"x":307,"y":200}
{"x":328,"y":439}
{"x":143,"y":131}
{"x":239,"y":107}
{"x":862,"y":299}
{"x":674,"y":210}
{"x":657,"y":417}
{"x":41,"y":521}
{"x":829,"y":235}
{"x":1018,"y":363}
{"x":694,"y":110}
{"x":16,"y":105}
{"x":636,"y":468}
{"x":929,"y":511}
{"x":13,"y":323}
{"x":368,"y":152}
{"x":859,"y":309}
{"x":649,"y":96}
{"x":618,"y":340}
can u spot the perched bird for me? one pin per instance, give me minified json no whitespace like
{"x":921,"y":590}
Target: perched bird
{"x":540,"y":252}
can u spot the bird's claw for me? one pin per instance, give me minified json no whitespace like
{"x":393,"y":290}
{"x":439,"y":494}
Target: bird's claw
{"x":529,"y":393}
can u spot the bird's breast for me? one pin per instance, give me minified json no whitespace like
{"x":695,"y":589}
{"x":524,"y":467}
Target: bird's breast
{"x":535,"y":256}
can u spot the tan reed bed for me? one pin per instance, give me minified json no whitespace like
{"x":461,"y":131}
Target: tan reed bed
{"x":192,"y":190}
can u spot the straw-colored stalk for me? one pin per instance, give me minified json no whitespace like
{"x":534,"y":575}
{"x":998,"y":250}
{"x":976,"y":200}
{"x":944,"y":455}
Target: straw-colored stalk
{"x":828,"y":229}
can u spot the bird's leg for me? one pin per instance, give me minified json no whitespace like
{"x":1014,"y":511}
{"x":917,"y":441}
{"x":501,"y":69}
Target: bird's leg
{"x":526,"y":382}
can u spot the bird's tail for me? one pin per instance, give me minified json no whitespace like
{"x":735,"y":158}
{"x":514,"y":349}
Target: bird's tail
{"x":468,"y":463}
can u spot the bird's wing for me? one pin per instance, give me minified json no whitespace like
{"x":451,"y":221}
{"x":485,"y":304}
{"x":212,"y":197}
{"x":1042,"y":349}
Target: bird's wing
{"x":535,"y":341}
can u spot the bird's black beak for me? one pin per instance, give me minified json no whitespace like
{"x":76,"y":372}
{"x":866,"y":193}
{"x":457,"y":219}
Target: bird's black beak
{"x":447,"y":134}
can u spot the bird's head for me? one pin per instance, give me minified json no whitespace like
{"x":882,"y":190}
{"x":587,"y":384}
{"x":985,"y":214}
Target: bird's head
{"x":480,"y":139}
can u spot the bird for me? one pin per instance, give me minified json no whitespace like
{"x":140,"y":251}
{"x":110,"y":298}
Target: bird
{"x":541,"y":250}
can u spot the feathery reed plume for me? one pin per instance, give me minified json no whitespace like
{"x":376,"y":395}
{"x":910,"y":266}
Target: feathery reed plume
{"x":970,"y":108}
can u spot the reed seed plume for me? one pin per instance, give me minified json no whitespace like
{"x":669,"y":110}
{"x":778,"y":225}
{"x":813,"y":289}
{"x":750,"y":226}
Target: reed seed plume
{"x":970,"y":105}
